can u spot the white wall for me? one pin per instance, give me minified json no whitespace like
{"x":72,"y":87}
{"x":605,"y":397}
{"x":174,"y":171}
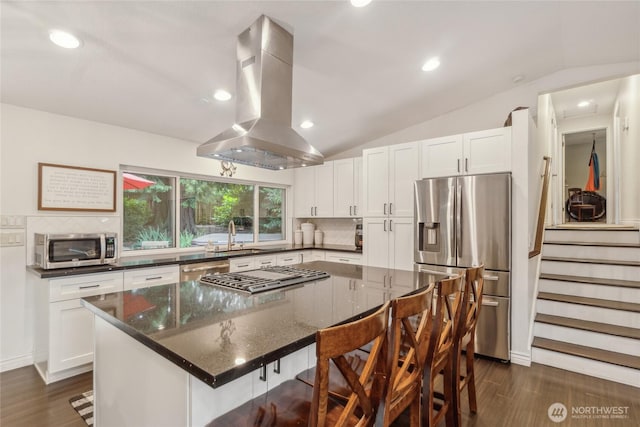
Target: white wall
{"x":629,"y":102}
{"x":29,"y":136}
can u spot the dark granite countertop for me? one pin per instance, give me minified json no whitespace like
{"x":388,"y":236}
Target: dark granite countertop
{"x":145,"y":261}
{"x":219,"y":335}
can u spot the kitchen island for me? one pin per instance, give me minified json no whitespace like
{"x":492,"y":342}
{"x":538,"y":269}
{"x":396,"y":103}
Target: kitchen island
{"x":186,"y":353}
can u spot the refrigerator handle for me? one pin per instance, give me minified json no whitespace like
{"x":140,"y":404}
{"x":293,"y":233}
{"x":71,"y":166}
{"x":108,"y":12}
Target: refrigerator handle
{"x":458,"y":222}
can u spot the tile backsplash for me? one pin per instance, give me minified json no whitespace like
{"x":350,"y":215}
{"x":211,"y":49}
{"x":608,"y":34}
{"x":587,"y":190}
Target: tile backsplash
{"x":337,"y":231}
{"x":68,"y":224}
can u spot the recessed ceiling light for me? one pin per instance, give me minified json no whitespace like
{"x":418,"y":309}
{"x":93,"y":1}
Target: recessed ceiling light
{"x":306,"y":124}
{"x":518,"y":78}
{"x":222,"y":95}
{"x":238,"y":150}
{"x":64,"y":39}
{"x":304,"y":165}
{"x":281,"y":167}
{"x":431,"y":64}
{"x":583,"y":104}
{"x":360,"y":3}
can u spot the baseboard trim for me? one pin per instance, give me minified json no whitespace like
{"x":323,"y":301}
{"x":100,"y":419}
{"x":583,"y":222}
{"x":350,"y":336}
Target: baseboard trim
{"x":16,"y":362}
{"x":523,"y":359}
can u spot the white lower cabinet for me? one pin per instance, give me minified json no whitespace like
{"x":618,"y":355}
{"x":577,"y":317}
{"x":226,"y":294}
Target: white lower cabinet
{"x":63,"y":344}
{"x":265,"y":261}
{"x":388,"y":242}
{"x":242,"y":264}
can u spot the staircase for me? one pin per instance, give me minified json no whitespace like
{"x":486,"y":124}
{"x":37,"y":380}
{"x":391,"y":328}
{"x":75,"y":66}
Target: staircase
{"x":588,"y":305}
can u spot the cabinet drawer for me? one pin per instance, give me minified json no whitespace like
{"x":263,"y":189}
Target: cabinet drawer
{"x":344,"y":258}
{"x":264,"y":261}
{"x":289,"y":258}
{"x":147,"y":277}
{"x":84,"y":286}
{"x":242,"y":264}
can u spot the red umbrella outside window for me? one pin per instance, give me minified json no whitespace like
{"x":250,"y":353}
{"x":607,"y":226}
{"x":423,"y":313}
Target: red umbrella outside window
{"x":134,"y":182}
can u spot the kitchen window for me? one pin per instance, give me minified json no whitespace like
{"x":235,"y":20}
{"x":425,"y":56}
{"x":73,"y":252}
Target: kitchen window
{"x":205,"y":209}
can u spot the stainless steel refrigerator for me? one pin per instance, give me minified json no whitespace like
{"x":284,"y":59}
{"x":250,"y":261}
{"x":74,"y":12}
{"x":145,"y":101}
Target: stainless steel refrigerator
{"x":466,"y":221}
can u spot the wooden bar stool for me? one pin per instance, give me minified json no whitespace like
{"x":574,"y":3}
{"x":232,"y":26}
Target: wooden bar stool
{"x":465,"y":340}
{"x":296,"y":403}
{"x":411,"y":321}
{"x":440,"y":354}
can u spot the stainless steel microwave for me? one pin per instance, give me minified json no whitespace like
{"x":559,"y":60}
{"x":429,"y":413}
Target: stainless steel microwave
{"x":75,"y":250}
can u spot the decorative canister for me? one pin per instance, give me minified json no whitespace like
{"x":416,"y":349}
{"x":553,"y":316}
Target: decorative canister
{"x":307,"y":233}
{"x":319,"y":235}
{"x":297,"y":237}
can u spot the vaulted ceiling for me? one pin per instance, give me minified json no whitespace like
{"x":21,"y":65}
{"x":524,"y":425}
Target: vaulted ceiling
{"x":153,"y":65}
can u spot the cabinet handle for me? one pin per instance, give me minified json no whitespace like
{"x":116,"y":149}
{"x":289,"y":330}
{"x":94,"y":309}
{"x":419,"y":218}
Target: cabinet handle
{"x":390,"y":208}
{"x":154,"y":278}
{"x":89,"y":286}
{"x":243,"y":265}
{"x":384,"y":209}
{"x":466,"y":164}
{"x":316,"y":211}
{"x":263,"y":373}
{"x":355,"y":210}
{"x":390,"y":225}
{"x":350,"y":209}
{"x":458,"y":165}
{"x":311,"y":211}
{"x":343,"y":259}
{"x":265,"y":262}
{"x":287,"y":259}
{"x":384,"y":226}
{"x":276,"y":366}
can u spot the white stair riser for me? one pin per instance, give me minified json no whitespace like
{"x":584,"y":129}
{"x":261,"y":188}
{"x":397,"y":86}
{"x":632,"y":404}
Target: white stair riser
{"x":587,"y":338}
{"x":630,"y":236}
{"x":615,"y":293}
{"x":585,"y":312}
{"x":603,"y":271}
{"x":591,"y":252}
{"x":594,"y":368}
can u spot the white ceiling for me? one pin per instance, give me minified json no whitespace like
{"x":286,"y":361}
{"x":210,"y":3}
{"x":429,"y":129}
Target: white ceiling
{"x":147,"y":65}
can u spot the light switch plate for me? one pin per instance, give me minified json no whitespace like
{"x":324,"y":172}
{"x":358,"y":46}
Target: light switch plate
{"x":11,"y":237}
{"x":12,"y":221}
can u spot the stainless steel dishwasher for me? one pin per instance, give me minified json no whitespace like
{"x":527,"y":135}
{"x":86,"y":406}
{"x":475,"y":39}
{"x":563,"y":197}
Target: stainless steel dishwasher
{"x":197,"y":270}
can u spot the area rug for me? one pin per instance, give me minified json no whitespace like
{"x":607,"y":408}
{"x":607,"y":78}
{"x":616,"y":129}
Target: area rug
{"x":83,"y":404}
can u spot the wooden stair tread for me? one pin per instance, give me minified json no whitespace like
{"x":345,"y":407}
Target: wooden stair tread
{"x":597,"y":244}
{"x":604,"y":328}
{"x":594,"y":228}
{"x":591,"y":280}
{"x":588,"y":352}
{"x":592,"y":261}
{"x":594,"y":302}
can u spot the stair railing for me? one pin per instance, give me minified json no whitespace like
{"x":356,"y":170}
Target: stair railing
{"x":537,"y":246}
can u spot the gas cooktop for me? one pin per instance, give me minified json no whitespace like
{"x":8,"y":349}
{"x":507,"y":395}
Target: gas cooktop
{"x":264,"y":279}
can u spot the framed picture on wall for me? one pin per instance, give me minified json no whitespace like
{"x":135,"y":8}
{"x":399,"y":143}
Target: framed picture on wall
{"x":73,"y":188}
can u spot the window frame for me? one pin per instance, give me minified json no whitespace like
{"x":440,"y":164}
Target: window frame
{"x":176,"y":176}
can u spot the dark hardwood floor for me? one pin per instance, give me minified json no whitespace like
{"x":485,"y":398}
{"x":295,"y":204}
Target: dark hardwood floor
{"x":508,"y":395}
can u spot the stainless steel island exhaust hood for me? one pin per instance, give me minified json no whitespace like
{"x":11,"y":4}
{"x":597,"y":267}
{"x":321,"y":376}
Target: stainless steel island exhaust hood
{"x":262,"y":135}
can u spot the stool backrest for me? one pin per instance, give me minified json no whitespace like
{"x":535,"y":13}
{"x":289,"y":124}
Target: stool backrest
{"x":471,"y":300}
{"x":447,"y":316}
{"x":366,"y":388}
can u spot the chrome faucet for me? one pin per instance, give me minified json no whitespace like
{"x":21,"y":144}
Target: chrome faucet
{"x":232,"y":233}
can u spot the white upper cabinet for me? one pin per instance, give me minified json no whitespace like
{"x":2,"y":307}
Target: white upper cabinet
{"x":486,"y":151}
{"x":347,"y":179}
{"x":389,"y":173}
{"x":313,"y":192}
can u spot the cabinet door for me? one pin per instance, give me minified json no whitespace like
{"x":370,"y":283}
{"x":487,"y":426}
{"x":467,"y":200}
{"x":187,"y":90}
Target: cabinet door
{"x":344,"y":258}
{"x":401,"y":243}
{"x":441,"y":157}
{"x":343,"y":194}
{"x":71,"y":335}
{"x":487,"y":151}
{"x":375,"y":166}
{"x":324,"y":190}
{"x":304,"y":192}
{"x":403,"y":172}
{"x":357,"y":186}
{"x":376,"y":241}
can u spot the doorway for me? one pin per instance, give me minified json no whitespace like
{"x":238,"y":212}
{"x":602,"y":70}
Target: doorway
{"x":589,"y":202}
